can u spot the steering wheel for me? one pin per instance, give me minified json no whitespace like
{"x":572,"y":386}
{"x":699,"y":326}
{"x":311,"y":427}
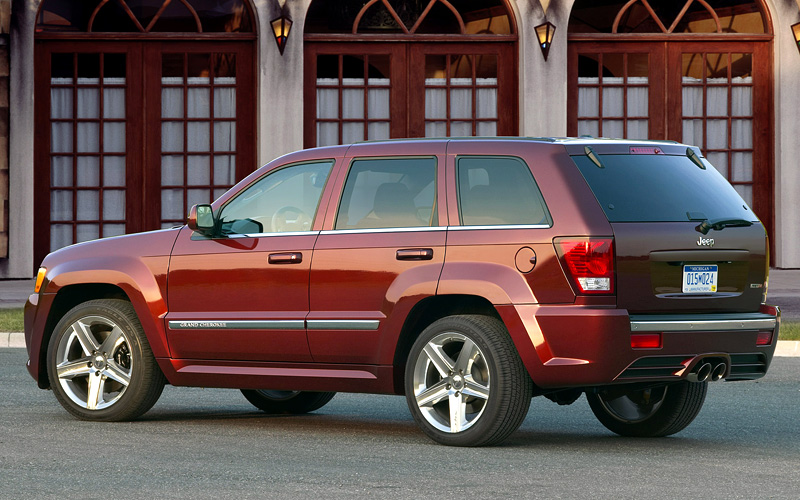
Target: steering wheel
{"x":289,"y":218}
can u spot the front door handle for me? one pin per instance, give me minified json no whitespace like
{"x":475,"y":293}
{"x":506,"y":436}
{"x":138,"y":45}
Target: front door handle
{"x":286,"y":258}
{"x":415,"y":254}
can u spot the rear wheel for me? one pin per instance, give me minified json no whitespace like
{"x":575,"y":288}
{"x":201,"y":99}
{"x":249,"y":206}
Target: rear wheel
{"x":648,"y":412}
{"x":100,"y":365}
{"x":465,"y":382}
{"x":289,"y":402}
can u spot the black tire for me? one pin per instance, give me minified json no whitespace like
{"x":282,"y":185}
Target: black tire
{"x":100,"y":365}
{"x":287,"y":402}
{"x":490,"y":397}
{"x":655,"y":412}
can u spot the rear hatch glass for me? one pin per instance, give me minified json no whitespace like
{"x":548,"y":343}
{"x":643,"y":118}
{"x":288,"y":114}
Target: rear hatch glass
{"x":664,"y":263}
{"x":661,"y":188}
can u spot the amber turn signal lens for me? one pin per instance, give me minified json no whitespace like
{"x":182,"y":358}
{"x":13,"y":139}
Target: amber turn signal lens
{"x":39,"y":279}
{"x":646,"y":340}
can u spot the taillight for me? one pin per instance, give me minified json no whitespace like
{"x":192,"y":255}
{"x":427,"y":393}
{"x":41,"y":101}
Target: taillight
{"x":589,"y":262}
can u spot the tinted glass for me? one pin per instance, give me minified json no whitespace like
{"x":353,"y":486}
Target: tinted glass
{"x":644,"y":188}
{"x":498,"y":191}
{"x":284,"y":200}
{"x":382,"y":193}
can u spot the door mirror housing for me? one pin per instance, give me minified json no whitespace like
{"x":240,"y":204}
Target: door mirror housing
{"x":201,"y":219}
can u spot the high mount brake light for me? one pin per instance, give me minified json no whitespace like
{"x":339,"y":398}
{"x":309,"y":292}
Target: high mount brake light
{"x":589,"y":262}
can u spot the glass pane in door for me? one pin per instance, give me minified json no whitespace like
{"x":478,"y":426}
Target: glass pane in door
{"x":717,"y":113}
{"x":613,"y":95}
{"x":87,"y":147}
{"x":461,"y":95}
{"x":353,"y":98}
{"x":198,"y":131}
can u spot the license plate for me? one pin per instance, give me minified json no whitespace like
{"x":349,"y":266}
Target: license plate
{"x":699,"y":279}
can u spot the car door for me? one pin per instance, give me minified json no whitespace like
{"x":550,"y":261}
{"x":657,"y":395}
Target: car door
{"x":381,"y":251}
{"x":242,"y":294}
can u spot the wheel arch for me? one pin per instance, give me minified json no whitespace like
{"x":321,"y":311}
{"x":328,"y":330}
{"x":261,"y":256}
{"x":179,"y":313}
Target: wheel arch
{"x":425,"y":312}
{"x":67,"y":298}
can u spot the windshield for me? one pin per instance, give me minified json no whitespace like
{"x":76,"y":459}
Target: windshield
{"x":661,"y":188}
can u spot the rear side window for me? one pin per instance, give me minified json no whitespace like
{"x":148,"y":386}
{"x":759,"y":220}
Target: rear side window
{"x":661,"y":188}
{"x":389,"y":192}
{"x":498,"y":190}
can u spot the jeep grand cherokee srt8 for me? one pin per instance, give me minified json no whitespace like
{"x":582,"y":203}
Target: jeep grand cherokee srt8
{"x":467,"y":274}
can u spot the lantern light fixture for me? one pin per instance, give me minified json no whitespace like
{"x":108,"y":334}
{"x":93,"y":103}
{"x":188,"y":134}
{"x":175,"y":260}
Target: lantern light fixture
{"x":545,"y":32}
{"x":281,"y":27}
{"x":796,"y":32}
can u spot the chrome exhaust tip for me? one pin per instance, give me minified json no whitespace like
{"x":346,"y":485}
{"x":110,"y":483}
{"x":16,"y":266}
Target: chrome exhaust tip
{"x":718,"y":372}
{"x":704,"y":372}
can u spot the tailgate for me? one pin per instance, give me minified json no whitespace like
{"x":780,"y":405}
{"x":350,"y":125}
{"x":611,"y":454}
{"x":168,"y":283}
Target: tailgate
{"x":671,"y":267}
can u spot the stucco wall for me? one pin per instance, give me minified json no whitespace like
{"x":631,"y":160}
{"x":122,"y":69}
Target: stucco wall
{"x":787,"y":135}
{"x":20,"y":152}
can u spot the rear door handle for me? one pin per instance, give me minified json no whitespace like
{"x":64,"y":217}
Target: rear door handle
{"x":415,"y":254}
{"x":286,"y":258}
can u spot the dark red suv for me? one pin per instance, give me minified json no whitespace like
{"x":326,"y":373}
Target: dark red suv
{"x":467,"y":274}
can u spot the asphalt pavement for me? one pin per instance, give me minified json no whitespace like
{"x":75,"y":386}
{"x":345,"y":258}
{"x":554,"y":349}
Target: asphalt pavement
{"x":210,"y":443}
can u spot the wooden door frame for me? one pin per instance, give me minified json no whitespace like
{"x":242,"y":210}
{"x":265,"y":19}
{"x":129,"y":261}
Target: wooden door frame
{"x":143,"y":120}
{"x":667,"y":106}
{"x":398,"y":81}
{"x":408,"y":120}
{"x":245,"y":113}
{"x":42,"y":133}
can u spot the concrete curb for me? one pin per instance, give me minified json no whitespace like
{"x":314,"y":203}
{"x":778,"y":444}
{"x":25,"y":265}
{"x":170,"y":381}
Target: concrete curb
{"x":786,"y":348}
{"x":12,"y":339}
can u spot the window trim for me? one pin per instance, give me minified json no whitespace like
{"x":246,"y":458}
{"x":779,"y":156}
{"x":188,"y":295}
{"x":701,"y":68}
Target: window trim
{"x":462,"y":226}
{"x":219,"y":211}
{"x":434,"y":210}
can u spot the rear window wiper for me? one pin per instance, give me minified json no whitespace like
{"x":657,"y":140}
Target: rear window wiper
{"x":721,"y":223}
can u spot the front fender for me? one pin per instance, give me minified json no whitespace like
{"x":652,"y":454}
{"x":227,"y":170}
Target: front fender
{"x":143,"y":280}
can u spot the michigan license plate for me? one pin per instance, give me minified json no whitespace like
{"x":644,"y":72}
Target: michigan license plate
{"x":700,"y":279}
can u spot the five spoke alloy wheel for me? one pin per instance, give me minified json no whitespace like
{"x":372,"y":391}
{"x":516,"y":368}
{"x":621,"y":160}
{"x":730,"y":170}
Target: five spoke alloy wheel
{"x":100,"y":364}
{"x":465,"y":383}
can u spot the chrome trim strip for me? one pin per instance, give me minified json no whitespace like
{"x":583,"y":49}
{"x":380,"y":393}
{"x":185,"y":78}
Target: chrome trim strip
{"x":262,"y":235}
{"x":280,"y":324}
{"x":343,"y":324}
{"x":384,"y":230}
{"x":505,"y":226}
{"x":701,"y":325}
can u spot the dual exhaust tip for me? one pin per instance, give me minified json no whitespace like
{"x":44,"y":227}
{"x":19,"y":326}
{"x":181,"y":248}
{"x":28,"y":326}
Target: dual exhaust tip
{"x":708,"y":373}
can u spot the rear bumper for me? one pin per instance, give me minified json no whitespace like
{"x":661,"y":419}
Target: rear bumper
{"x":577,"y":346}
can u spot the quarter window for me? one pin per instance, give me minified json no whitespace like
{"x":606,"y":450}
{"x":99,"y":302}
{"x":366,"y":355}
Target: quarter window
{"x":383,"y":193}
{"x":498,"y":191}
{"x":282,"y":201}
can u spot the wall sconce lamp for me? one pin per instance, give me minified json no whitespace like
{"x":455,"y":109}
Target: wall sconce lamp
{"x":281,"y":27}
{"x":796,"y":31}
{"x":545,"y":32}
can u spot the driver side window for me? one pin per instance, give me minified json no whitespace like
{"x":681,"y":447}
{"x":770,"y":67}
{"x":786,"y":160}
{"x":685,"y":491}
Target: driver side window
{"x":285,"y":200}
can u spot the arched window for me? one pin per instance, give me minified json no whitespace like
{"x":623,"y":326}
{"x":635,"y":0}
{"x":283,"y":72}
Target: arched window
{"x":656,"y":16}
{"x":394,"y":68}
{"x":143,"y":109}
{"x":458,"y":17}
{"x":695,"y":71}
{"x":145,"y":16}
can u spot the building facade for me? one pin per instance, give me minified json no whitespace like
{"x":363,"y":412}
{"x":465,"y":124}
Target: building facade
{"x":118,"y":115}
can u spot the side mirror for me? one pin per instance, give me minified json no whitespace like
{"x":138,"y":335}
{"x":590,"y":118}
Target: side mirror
{"x":201,"y":218}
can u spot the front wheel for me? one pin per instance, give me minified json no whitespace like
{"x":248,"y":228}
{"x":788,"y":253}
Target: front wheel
{"x":100,"y":365}
{"x":648,"y":412}
{"x":287,"y":402}
{"x":465,"y":383}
